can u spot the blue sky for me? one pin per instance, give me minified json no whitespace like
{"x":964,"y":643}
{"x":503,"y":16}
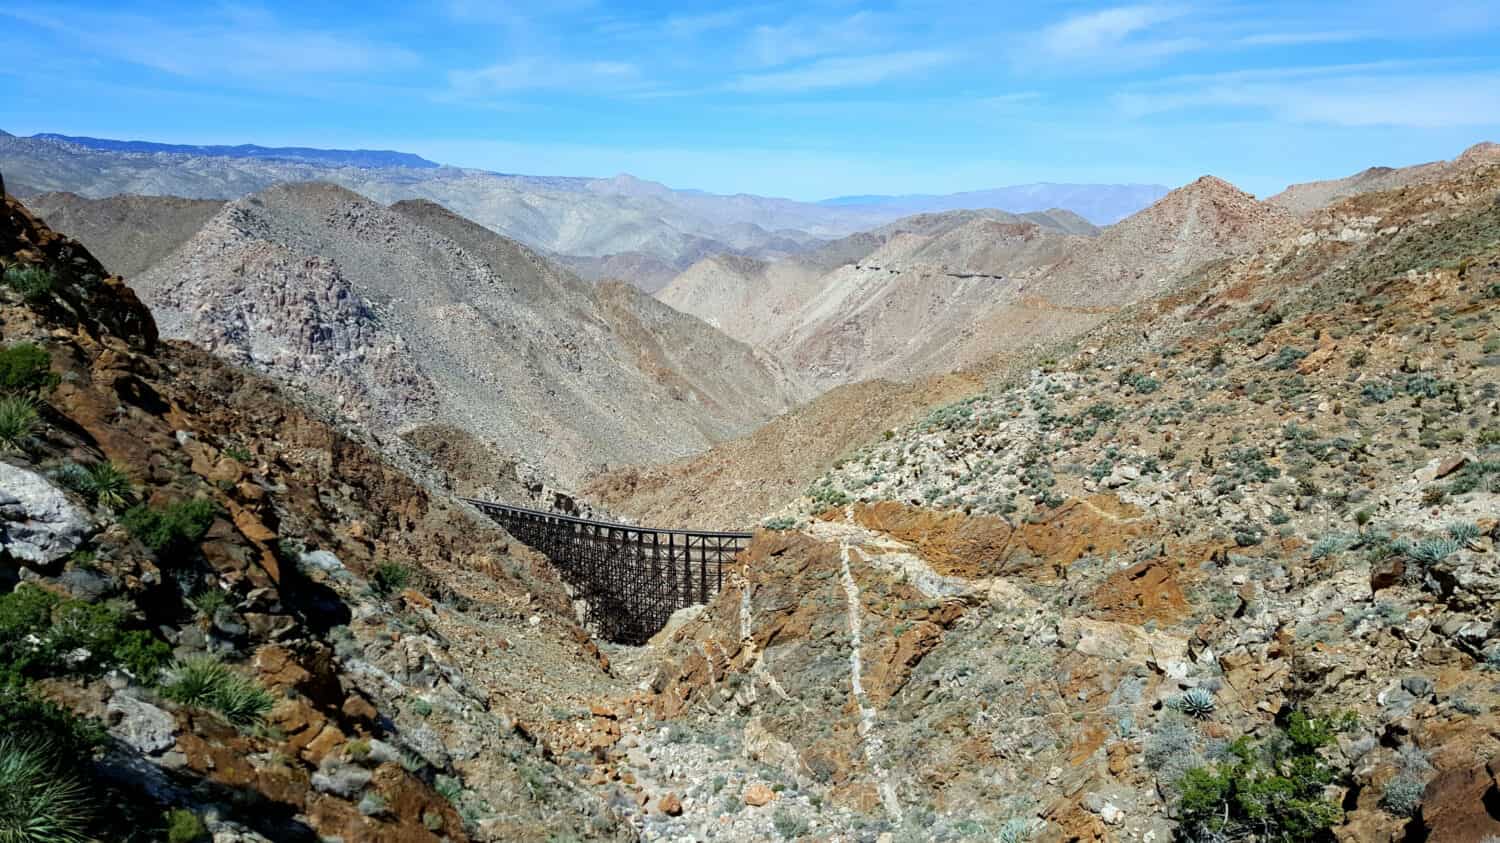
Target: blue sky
{"x":805,"y":99}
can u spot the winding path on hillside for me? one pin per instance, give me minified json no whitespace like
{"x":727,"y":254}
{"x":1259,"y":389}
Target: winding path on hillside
{"x":631,"y":578}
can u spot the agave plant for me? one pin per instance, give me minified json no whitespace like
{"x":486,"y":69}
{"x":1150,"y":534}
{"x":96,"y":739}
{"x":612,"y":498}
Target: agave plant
{"x":1432,"y":551}
{"x":1196,"y":702}
{"x":1463,"y":531}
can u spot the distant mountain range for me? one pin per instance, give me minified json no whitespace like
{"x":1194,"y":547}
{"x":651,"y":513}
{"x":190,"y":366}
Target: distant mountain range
{"x":334,"y":157}
{"x":1100,"y":204}
{"x":621,"y":227}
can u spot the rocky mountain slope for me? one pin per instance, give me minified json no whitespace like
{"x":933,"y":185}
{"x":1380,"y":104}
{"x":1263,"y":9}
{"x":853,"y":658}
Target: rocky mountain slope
{"x":1308,"y":197}
{"x":761,"y":302}
{"x":410,"y":317}
{"x":581,"y":217}
{"x":220,"y":615}
{"x":953,"y":290}
{"x":129,"y":234}
{"x":1228,"y":569}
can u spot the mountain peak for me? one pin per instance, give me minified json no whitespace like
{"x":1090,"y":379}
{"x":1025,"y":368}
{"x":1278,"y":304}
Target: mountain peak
{"x":1484,"y":151}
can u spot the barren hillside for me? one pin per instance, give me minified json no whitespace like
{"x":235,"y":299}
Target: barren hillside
{"x":128,"y":233}
{"x":414,"y":316}
{"x":1310,"y":196}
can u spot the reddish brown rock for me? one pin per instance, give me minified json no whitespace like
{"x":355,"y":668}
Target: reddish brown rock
{"x":670,"y":805}
{"x":759,"y":794}
{"x":1145,"y":592}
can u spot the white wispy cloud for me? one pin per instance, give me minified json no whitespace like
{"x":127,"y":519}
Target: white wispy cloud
{"x":238,"y":44}
{"x":1123,"y":35}
{"x":1357,"y":96}
{"x":800,"y":38}
{"x":539,"y":74}
{"x":842,"y":72}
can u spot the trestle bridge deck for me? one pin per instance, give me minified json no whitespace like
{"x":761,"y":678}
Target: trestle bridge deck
{"x":631,"y":578}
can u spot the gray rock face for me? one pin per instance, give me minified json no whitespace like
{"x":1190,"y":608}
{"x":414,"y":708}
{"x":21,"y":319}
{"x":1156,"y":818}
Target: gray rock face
{"x":140,"y":724}
{"x":37,"y":521}
{"x":345,"y":780}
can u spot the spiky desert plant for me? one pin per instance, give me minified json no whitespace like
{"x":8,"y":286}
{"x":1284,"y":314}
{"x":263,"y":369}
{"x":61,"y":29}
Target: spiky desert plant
{"x":1196,"y":702}
{"x":108,"y":485}
{"x":41,"y":802}
{"x":1463,"y":531}
{"x":206,"y":682}
{"x":18,"y":420}
{"x":1432,"y":551}
{"x":1014,"y":830}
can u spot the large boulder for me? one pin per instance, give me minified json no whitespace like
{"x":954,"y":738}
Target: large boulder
{"x":37,"y":521}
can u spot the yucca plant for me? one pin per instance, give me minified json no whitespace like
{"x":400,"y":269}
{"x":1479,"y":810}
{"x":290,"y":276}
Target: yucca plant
{"x":206,"y":682}
{"x":108,"y":485}
{"x":39,"y":801}
{"x":18,"y":421}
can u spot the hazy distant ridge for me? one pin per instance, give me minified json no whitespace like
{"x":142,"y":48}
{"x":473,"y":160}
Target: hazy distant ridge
{"x":336,"y":157}
{"x":1100,"y":204}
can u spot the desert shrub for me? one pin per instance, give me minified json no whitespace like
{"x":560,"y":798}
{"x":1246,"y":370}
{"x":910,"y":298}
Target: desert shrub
{"x":206,"y":682}
{"x":784,"y":522}
{"x":42,"y":801}
{"x":788,"y":825}
{"x":184,"y":826}
{"x":41,"y":634}
{"x":1273,"y":790}
{"x":389,"y":578}
{"x":172,"y":530}
{"x":1286,"y":358}
{"x":25,"y":367}
{"x":825,"y":494}
{"x":1172,"y":742}
{"x":18,"y":421}
{"x":1403,"y":795}
{"x":25,"y":713}
{"x":34,"y":283}
{"x":1378,"y":392}
{"x":1479,"y":475}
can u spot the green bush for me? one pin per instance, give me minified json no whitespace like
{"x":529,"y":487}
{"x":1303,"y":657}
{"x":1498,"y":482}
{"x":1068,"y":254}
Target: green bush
{"x":40,"y":800}
{"x":1272,"y":791}
{"x":25,"y":368}
{"x":174,"y":530}
{"x":25,"y":713}
{"x":206,"y":682}
{"x":18,"y":421}
{"x":34,"y":283}
{"x":784,"y":522}
{"x":40,"y":632}
{"x":183,"y":826}
{"x":389,"y":578}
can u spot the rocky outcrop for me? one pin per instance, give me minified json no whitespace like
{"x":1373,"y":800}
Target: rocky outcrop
{"x":37,"y":521}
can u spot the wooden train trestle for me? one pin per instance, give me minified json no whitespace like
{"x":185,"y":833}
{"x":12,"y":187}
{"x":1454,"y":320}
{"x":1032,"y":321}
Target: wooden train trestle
{"x":632,"y":578}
